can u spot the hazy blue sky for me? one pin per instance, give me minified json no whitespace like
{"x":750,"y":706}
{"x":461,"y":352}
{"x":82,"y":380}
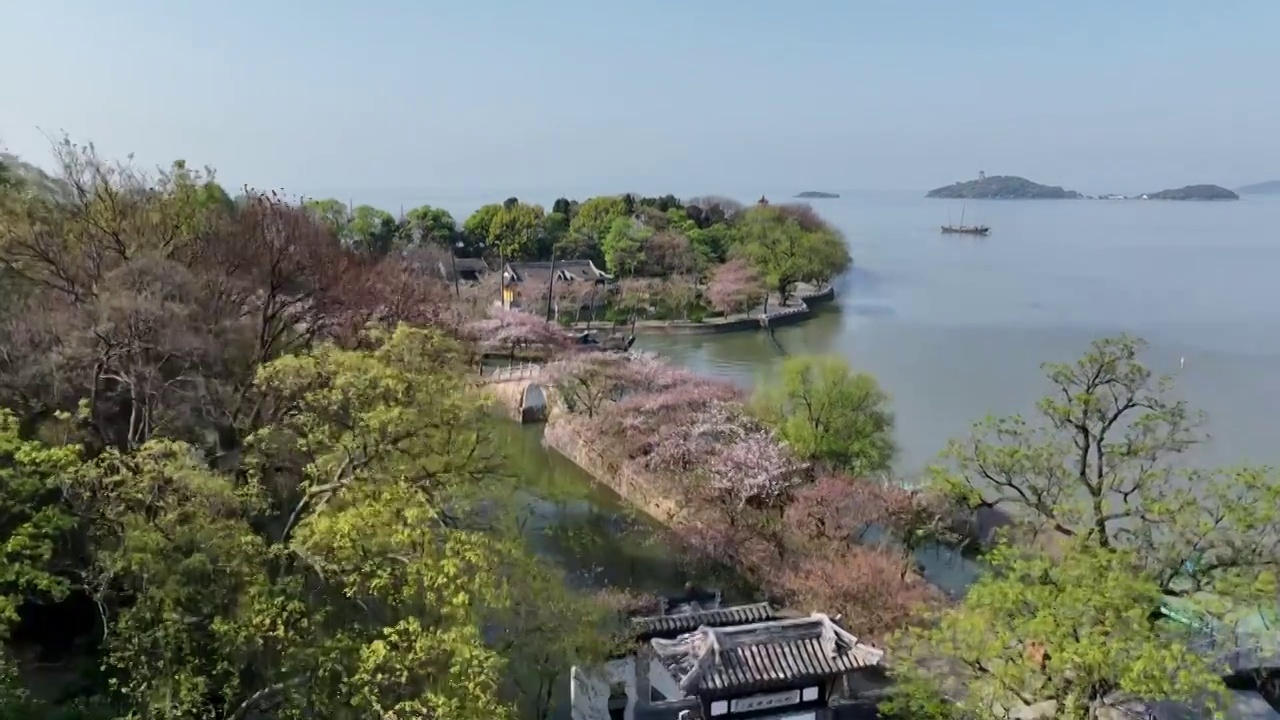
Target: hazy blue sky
{"x":700,"y":95}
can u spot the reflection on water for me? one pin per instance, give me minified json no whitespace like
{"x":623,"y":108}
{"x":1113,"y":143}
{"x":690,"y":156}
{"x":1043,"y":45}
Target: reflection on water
{"x":588,"y":530}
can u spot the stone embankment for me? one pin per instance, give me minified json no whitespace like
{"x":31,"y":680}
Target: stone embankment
{"x":643,"y":493}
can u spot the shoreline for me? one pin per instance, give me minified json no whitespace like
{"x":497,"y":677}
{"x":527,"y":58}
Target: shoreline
{"x":788,"y":315}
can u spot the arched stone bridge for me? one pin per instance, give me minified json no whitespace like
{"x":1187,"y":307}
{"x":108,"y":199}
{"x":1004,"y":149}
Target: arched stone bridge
{"x":521,"y":390}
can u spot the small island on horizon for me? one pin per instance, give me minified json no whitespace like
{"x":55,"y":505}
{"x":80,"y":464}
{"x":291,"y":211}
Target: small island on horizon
{"x":1001,"y":187}
{"x":1194,"y":192}
{"x":809,"y":194}
{"x":1270,"y":187}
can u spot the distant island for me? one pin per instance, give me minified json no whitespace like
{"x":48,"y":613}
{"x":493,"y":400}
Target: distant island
{"x":1002,"y":187}
{"x":1194,"y":192}
{"x":1271,"y":187}
{"x":817,"y":194}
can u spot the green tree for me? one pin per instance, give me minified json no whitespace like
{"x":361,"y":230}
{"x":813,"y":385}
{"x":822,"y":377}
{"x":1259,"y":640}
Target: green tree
{"x":542,"y":640}
{"x":333,"y":573}
{"x":33,"y":521}
{"x":562,"y":206}
{"x":830,"y":414}
{"x":426,"y":225}
{"x":1071,"y":630}
{"x":373,"y":231}
{"x":589,"y":225}
{"x":1106,"y":463}
{"x":787,"y":249}
{"x":623,"y":246}
{"x":333,"y":213}
{"x":517,"y":230}
{"x":713,"y":243}
{"x":555,"y":228}
{"x":8,"y":178}
{"x":475,"y":228}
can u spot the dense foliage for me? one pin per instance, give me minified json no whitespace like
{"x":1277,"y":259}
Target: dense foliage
{"x":1073,"y":632}
{"x":1002,"y":187}
{"x":830,"y":414}
{"x":1112,"y":527}
{"x":1195,"y":192}
{"x":706,"y":254}
{"x":242,"y":474}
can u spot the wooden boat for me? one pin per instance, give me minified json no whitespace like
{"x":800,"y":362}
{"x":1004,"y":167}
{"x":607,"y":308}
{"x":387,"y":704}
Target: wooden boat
{"x":963,"y":229}
{"x":966,"y":229}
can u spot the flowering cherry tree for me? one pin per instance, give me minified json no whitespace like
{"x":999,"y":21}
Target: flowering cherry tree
{"x":874,"y":588}
{"x":671,"y":421}
{"x":734,"y":287}
{"x":740,"y":460}
{"x":507,"y":330}
{"x":586,"y":381}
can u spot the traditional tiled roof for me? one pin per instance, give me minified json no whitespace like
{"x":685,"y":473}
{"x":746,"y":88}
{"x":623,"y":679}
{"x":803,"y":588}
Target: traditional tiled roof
{"x":683,"y":622}
{"x":464,"y":266}
{"x":540,"y":271}
{"x":471,"y":264}
{"x":763,"y":656}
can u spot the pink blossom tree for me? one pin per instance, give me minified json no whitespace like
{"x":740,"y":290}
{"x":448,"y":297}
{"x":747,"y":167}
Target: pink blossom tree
{"x":740,"y":460}
{"x":734,"y":287}
{"x":873,"y":587}
{"x":511,"y":331}
{"x":571,"y":296}
{"x":586,"y":381}
{"x":669,"y":253}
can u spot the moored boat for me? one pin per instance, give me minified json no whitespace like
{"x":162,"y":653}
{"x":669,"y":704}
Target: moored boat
{"x":966,"y":229}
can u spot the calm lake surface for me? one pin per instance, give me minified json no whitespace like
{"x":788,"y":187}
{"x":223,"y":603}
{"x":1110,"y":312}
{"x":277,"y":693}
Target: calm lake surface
{"x":955,"y":327}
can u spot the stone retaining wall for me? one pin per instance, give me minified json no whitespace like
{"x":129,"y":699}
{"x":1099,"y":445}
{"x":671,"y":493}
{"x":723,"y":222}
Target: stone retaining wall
{"x":643,"y":493}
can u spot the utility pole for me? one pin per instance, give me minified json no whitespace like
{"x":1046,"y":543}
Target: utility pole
{"x":502,"y":279}
{"x":551,"y":283}
{"x":453,"y":264}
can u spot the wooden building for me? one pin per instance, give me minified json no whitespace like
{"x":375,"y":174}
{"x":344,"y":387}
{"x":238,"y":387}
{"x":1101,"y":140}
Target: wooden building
{"x":701,"y":661}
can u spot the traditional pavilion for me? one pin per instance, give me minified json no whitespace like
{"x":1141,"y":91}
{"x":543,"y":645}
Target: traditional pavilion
{"x":699,"y":660}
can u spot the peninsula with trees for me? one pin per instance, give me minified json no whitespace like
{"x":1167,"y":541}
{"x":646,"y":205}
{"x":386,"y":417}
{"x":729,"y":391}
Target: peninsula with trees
{"x":1001,"y":187}
{"x":1194,"y":192}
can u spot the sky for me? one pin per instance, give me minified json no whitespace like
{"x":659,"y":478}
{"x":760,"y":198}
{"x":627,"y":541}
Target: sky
{"x":382,"y":97}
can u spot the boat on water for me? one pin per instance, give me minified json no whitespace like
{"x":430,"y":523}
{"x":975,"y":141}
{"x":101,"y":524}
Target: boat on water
{"x":966,"y":229}
{"x":963,"y":229}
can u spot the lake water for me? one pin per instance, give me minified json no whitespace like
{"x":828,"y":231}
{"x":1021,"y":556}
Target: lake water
{"x":955,"y":327}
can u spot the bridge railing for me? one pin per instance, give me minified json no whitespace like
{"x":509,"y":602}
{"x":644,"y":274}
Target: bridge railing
{"x":513,"y":372}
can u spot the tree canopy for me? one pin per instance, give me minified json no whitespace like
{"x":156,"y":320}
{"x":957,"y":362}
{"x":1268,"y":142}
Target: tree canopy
{"x":1072,"y":631}
{"x":1107,"y":463}
{"x":242,"y":474}
{"x":830,"y":414}
{"x":1123,"y":528}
